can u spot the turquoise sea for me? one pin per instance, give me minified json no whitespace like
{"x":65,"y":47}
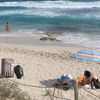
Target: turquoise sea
{"x":72,"y":21}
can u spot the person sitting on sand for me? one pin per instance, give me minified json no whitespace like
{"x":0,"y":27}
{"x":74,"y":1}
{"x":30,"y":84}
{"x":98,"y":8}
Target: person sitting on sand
{"x":89,"y":76}
{"x":87,"y":79}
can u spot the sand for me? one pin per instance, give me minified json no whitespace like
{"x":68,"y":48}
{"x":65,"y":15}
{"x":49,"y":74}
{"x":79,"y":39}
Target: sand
{"x":42,"y":63}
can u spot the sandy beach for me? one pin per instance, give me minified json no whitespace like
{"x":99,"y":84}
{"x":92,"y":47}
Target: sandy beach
{"x":42,"y":63}
{"x":39,"y":35}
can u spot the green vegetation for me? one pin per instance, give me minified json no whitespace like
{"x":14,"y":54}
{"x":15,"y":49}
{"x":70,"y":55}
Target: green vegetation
{"x":10,"y":91}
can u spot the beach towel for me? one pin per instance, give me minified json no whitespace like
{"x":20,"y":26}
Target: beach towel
{"x":65,"y":77}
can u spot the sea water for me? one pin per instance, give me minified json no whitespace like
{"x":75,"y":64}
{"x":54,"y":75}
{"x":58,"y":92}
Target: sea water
{"x":72,"y":21}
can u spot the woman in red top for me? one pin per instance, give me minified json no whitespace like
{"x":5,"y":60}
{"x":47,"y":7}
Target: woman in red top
{"x":7,"y":27}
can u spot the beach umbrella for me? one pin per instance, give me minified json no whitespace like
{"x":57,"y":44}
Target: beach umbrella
{"x":89,"y":55}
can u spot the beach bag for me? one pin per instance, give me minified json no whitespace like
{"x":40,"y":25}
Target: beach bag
{"x":96,"y":83}
{"x":65,"y":77}
{"x":18,"y":70}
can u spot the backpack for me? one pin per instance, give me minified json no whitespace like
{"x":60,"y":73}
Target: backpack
{"x":96,"y":83}
{"x":18,"y":71}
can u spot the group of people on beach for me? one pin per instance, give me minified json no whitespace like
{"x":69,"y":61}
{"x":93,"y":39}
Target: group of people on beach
{"x":88,"y":80}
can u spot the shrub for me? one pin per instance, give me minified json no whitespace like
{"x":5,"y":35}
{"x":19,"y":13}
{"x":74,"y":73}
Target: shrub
{"x":9,"y":90}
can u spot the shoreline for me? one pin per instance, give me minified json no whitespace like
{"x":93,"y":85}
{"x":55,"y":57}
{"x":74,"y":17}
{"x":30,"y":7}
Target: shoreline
{"x":59,"y":40}
{"x":35,"y":41}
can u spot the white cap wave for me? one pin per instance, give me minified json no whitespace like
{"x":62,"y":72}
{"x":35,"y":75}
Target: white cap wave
{"x":52,"y":4}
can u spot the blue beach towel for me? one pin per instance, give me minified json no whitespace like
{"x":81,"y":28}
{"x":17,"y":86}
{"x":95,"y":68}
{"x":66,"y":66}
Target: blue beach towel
{"x":84,"y":58}
{"x":89,"y":52}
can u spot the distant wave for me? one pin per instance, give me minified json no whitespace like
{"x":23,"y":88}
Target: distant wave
{"x":29,"y":12}
{"x":50,"y":0}
{"x":73,"y":14}
{"x":52,"y":4}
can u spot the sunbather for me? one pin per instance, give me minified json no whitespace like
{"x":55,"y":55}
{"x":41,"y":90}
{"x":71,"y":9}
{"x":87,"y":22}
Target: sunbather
{"x":87,"y":79}
{"x":89,"y":76}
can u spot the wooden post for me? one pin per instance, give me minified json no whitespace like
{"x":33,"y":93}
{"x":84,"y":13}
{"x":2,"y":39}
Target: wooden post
{"x":75,"y":90}
{"x":7,"y":66}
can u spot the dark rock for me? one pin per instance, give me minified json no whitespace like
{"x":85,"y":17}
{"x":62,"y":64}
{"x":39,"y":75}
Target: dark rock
{"x":48,"y":38}
{"x":52,"y":39}
{"x":44,"y":38}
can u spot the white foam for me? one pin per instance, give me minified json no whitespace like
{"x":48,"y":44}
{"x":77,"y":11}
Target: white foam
{"x":30,"y":12}
{"x":22,"y":32}
{"x":81,"y":39}
{"x":51,"y":4}
{"x":28,"y":32}
{"x":50,"y":13}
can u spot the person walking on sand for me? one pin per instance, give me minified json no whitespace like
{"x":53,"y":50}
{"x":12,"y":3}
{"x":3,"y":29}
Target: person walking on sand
{"x":7,"y":27}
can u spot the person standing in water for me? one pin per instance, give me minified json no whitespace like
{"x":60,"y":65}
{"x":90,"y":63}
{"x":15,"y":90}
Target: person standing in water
{"x":7,"y":27}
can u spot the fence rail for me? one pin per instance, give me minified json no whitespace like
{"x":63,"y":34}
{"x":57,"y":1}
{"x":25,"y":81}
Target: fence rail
{"x":76,"y":97}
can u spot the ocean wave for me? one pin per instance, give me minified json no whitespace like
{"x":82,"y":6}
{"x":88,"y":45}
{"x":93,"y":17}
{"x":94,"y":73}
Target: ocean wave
{"x":52,"y":4}
{"x":52,"y":13}
{"x":30,"y":12}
